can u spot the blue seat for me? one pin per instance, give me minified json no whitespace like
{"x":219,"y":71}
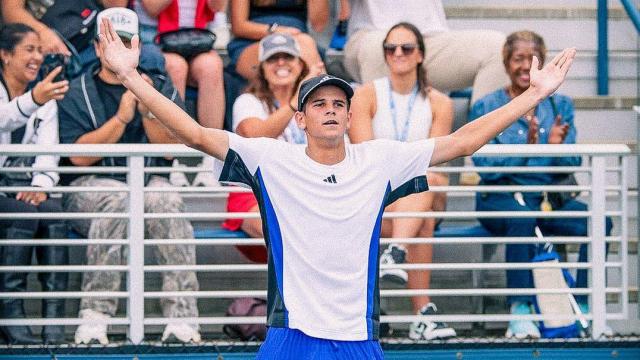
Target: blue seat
{"x":218,"y":233}
{"x":462,"y":231}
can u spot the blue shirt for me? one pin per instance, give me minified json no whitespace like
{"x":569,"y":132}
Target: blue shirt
{"x":517,"y":134}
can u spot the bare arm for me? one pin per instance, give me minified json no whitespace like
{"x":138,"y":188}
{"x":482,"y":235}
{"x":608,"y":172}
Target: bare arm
{"x":154,"y":7}
{"x":217,"y":5}
{"x":13,"y":11}
{"x":442,"y":109}
{"x":114,"y":3}
{"x":318,"y":14}
{"x":109,"y":133}
{"x":272,"y":127}
{"x":471,"y":137}
{"x":363,"y":109}
{"x":241,"y":26}
{"x":123,"y":63}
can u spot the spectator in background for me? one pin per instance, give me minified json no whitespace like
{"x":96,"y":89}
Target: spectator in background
{"x":266,"y":110}
{"x":251,"y":20}
{"x":99,"y":110}
{"x":29,"y":116}
{"x":551,"y":122}
{"x":454,"y":59}
{"x":403,"y":107}
{"x":75,"y":20}
{"x":203,"y":70}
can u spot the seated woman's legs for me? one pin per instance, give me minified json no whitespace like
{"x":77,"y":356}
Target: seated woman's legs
{"x":420,"y":253}
{"x":513,"y":227}
{"x":53,"y":281}
{"x":178,"y":70}
{"x":205,"y":72}
{"x":574,"y":227}
{"x":16,"y":256}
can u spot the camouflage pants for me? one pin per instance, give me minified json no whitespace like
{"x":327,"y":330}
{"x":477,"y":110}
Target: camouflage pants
{"x":99,"y":228}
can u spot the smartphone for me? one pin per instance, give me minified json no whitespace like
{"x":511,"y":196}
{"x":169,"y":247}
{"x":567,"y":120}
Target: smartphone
{"x":50,"y":62}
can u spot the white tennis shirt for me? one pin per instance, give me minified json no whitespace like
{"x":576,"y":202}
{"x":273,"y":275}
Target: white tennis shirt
{"x":322,"y":226}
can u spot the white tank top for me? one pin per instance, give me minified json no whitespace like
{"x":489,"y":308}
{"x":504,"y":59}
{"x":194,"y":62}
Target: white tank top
{"x":187,"y":13}
{"x":419,"y":124}
{"x":427,"y":15}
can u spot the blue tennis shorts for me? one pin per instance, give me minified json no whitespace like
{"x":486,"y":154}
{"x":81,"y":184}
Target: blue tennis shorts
{"x":284,"y":343}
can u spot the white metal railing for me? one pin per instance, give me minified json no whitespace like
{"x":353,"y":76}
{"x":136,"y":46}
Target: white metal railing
{"x":595,"y":166}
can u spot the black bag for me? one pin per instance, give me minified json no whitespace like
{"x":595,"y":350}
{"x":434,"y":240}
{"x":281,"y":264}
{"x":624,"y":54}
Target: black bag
{"x":74,"y":20}
{"x":247,"y":307}
{"x":559,"y":199}
{"x":187,"y":42}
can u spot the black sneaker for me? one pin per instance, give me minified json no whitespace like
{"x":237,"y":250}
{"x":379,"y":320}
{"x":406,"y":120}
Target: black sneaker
{"x":394,"y":254}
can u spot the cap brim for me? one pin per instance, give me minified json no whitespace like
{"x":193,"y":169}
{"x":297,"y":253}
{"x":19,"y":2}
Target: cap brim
{"x":125,"y":34}
{"x":343,"y":85}
{"x":277,"y":50}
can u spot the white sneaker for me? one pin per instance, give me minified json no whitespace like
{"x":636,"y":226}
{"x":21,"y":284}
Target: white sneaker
{"x":394,"y":254}
{"x":206,"y":178}
{"x":177,"y":177}
{"x":94,"y":329}
{"x":183,"y":332}
{"x":429,"y":330}
{"x":522,"y":329}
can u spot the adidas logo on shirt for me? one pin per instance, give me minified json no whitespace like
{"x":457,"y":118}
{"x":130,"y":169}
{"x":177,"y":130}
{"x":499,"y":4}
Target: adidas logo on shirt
{"x":331,"y":179}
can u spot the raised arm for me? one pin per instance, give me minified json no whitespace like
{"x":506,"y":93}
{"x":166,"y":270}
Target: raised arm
{"x":471,"y":137}
{"x":123,"y":62}
{"x":363,"y":108}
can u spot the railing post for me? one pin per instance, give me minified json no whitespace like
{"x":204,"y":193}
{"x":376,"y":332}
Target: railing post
{"x":135,"y":279}
{"x":597,"y":256}
{"x":624,"y":234}
{"x":603,"y":48}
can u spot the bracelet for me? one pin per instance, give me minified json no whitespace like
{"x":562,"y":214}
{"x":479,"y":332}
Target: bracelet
{"x":292,"y":108}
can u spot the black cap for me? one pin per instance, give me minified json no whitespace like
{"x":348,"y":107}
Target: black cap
{"x":309,"y":86}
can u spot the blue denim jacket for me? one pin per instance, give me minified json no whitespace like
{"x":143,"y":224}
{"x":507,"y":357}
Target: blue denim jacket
{"x":517,"y":134}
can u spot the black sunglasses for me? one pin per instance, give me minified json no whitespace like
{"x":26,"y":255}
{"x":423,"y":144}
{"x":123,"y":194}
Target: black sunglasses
{"x":407,"y":49}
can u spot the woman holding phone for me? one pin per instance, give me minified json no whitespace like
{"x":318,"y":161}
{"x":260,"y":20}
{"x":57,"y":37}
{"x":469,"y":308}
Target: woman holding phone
{"x":551,"y":122}
{"x":29,"y":116}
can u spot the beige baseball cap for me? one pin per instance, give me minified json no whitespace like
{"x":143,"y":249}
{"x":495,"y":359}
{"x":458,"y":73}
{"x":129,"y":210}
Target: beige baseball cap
{"x":124,"y":21}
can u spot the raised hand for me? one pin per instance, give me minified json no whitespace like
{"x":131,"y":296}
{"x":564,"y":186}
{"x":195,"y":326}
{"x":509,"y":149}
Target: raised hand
{"x":118,"y":58}
{"x":548,"y":79}
{"x":558,"y":131}
{"x":46,"y":89}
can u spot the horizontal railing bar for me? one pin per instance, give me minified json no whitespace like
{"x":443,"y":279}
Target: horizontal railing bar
{"x":419,"y":266}
{"x":63,"y":268}
{"x":66,"y":242}
{"x":69,"y":169}
{"x":118,"y":150}
{"x":63,"y":294}
{"x":391,"y":215}
{"x":466,"y":188}
{"x":64,"y":189}
{"x":59,"y":321}
{"x":260,"y":241}
{"x":64,"y":215}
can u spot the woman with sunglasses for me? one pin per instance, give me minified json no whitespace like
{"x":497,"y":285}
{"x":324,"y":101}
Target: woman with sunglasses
{"x":29,"y":116}
{"x":404,"y":107}
{"x":266,"y":110}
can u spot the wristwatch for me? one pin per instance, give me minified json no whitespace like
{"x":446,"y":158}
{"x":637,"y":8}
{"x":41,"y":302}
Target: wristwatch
{"x":272,"y":28}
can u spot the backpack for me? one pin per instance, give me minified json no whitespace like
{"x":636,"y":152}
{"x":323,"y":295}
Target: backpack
{"x":74,"y":20}
{"x":247,"y":307}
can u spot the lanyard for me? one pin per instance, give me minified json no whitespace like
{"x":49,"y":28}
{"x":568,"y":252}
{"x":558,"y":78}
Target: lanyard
{"x":392,"y":106}
{"x":297,"y":135}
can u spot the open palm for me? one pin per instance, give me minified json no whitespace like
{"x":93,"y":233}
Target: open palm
{"x":547,"y":80}
{"x":117,"y":57}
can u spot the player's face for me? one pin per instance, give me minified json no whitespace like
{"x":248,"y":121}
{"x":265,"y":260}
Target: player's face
{"x":325,"y":114}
